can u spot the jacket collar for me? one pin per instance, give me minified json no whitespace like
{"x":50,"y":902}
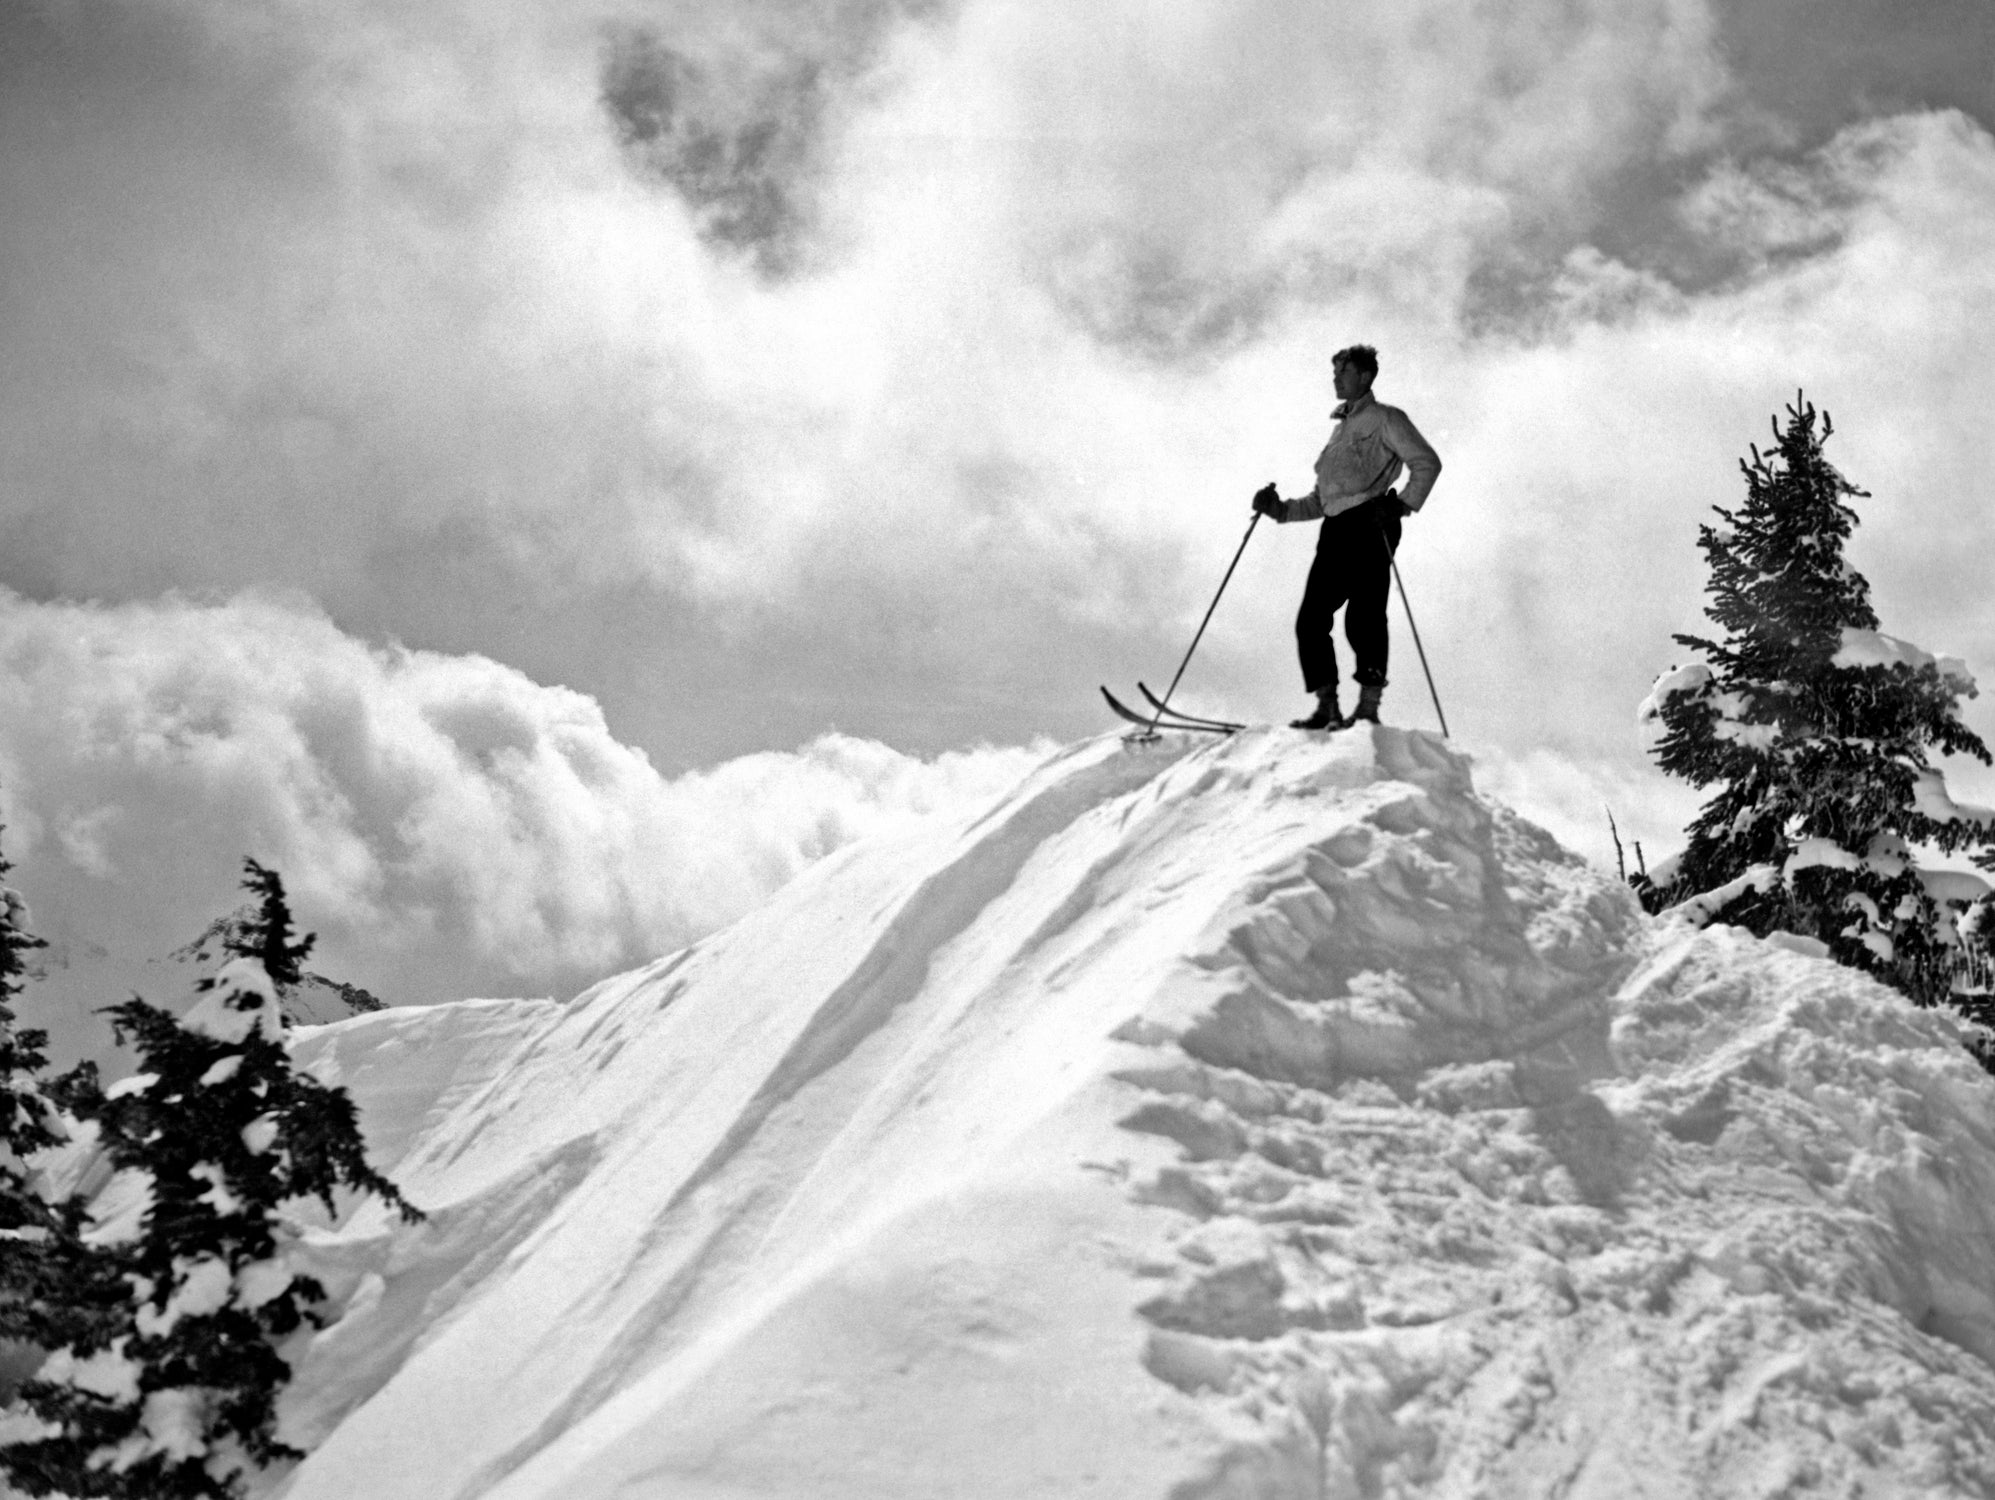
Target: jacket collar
{"x":1355,"y":404}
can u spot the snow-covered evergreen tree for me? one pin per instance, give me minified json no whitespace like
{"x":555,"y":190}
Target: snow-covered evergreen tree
{"x":55,"y":1291}
{"x":1816,"y":730}
{"x":213,"y":1137}
{"x":24,"y":1109}
{"x":26,"y":1222}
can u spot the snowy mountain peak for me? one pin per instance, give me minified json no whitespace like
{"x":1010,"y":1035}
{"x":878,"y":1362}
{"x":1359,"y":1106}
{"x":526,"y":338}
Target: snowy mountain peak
{"x":1270,"y":1117}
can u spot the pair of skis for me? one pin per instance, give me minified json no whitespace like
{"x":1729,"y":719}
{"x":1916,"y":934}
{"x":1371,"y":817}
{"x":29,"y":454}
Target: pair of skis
{"x":1164,"y":717}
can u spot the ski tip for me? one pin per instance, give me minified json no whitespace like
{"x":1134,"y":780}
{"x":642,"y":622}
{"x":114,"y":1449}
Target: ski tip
{"x":1197,"y":721}
{"x":1150,"y":724}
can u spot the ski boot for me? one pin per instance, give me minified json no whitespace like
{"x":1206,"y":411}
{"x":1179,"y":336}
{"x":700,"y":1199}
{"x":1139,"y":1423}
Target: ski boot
{"x":1327,"y":715}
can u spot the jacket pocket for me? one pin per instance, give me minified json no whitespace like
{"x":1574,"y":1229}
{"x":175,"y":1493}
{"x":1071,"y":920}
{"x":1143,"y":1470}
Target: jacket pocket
{"x":1356,"y":463}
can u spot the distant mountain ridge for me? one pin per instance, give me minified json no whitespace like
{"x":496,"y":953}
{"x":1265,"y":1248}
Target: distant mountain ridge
{"x":1263,"y":1118}
{"x":314,"y":1001}
{"x":318,"y":1001}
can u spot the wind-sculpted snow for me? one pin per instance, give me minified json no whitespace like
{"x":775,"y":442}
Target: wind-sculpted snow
{"x":1269,"y":1118}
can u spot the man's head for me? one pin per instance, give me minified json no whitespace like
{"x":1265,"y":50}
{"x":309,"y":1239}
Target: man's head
{"x":1352,"y":370}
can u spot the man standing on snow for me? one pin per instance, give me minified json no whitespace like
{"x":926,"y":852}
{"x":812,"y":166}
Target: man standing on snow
{"x":1361,"y":513}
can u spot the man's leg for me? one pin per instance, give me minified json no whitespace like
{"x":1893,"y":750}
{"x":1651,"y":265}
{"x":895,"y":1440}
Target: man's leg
{"x":1371,"y":539}
{"x":1322,"y":597}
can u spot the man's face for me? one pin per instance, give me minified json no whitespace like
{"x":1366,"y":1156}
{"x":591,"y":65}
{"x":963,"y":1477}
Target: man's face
{"x":1350,"y":381}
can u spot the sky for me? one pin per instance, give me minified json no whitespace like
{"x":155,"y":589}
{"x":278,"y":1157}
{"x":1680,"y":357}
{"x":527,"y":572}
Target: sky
{"x":540,"y":472}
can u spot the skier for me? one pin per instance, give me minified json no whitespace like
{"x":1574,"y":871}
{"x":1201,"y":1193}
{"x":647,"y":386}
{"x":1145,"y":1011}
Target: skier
{"x":1361,"y":513}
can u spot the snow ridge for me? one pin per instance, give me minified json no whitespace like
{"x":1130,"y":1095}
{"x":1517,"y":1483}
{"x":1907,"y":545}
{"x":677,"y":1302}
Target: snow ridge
{"x":1269,"y":1117}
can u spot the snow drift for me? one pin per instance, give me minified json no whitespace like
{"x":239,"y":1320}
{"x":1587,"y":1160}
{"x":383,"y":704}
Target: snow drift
{"x":1268,"y":1117}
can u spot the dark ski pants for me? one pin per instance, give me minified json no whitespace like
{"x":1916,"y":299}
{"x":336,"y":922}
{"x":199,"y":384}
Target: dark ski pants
{"x":1352,"y":572}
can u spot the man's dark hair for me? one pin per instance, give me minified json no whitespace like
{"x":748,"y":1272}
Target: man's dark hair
{"x":1363,"y":356}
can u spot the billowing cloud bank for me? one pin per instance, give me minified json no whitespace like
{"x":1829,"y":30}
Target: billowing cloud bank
{"x":448,"y":826}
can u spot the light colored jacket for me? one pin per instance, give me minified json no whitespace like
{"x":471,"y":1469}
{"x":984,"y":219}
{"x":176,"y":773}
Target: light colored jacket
{"x":1368,"y":448}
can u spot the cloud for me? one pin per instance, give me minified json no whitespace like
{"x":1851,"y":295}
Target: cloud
{"x":738,"y":175}
{"x":734,"y":115}
{"x":1247,"y":162}
{"x":448,"y":826}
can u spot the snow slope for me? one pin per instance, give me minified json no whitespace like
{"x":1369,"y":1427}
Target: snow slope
{"x":1260,"y":1118}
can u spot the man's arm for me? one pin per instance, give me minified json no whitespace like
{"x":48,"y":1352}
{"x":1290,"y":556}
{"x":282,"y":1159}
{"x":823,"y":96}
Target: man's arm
{"x":1307,"y":507}
{"x":1423,"y":464}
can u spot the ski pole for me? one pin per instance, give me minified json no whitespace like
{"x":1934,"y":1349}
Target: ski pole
{"x":1164,"y":702}
{"x":1407,"y":605}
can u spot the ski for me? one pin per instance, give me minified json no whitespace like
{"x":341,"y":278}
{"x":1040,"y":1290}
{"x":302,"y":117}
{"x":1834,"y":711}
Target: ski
{"x":1155,"y":702}
{"x":1155,"y":722}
